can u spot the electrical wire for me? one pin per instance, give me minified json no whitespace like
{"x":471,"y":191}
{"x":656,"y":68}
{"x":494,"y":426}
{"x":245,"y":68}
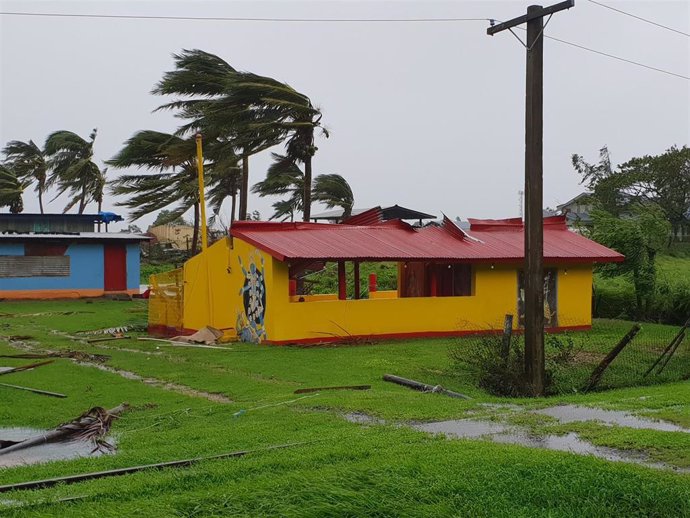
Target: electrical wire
{"x":640,"y":18}
{"x":344,"y":20}
{"x":617,"y":57}
{"x":241,"y":19}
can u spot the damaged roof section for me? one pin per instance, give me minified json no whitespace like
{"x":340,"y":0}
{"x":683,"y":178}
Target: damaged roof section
{"x":395,"y":240}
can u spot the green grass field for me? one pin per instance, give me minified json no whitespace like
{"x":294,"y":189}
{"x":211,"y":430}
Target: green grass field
{"x":344,"y":469}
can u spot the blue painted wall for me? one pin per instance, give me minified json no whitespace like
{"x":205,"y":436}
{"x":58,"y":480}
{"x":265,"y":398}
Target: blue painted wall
{"x":133,"y":266}
{"x":11,"y":249}
{"x":86,"y":270}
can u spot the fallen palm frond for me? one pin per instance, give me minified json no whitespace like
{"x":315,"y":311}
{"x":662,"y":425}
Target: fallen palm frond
{"x":90,"y":426}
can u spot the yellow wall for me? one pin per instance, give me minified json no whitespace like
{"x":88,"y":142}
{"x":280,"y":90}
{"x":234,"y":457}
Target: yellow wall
{"x":325,"y":317}
{"x":574,"y":288}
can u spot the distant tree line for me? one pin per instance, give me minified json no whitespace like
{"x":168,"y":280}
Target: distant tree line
{"x":239,"y":115}
{"x":640,"y":207}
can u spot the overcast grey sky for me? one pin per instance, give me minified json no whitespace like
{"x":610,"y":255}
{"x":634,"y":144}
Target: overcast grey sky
{"x":426,"y":115}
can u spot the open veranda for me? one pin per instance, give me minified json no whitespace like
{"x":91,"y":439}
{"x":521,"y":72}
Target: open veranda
{"x":352,"y":452}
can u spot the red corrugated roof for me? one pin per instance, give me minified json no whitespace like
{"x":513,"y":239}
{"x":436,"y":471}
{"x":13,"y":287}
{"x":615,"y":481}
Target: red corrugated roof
{"x":487,"y":240}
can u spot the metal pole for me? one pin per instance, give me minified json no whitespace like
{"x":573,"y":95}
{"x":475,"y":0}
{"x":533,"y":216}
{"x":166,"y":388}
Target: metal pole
{"x":202,"y":203}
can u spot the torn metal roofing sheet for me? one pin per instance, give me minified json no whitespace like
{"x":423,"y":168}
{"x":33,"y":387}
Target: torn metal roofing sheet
{"x":487,"y":241}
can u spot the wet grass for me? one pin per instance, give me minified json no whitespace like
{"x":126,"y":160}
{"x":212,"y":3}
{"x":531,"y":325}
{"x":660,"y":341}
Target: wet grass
{"x":352,"y":470}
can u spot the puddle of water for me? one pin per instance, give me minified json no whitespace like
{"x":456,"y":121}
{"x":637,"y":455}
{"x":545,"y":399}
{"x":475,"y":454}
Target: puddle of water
{"x":506,"y":434}
{"x":574,"y":413}
{"x":43,"y":452}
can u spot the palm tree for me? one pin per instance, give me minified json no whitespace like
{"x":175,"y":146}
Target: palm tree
{"x":172,"y":176}
{"x":70,"y":158}
{"x":11,"y":189}
{"x":28,"y":161}
{"x":251,"y":112}
{"x":201,"y":79}
{"x":285,"y":177}
{"x":224,"y":184}
{"x":266,"y":110}
{"x":333,"y":191}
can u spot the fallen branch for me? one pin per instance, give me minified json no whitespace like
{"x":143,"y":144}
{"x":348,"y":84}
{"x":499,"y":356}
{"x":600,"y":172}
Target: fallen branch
{"x":91,"y":425}
{"x":71,"y":479}
{"x":36,"y":391}
{"x":423,"y":387}
{"x":26,"y":367}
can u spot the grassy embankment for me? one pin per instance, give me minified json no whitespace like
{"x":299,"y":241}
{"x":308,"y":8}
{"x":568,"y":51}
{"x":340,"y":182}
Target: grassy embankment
{"x":351,"y":470}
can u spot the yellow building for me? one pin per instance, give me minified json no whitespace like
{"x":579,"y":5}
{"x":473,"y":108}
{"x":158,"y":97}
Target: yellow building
{"x":450,"y":282}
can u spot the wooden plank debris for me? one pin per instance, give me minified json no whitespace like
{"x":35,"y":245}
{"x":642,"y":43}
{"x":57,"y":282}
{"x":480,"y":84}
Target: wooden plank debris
{"x":344,"y":387}
{"x":71,"y":479}
{"x":37,"y":391}
{"x":25,"y":367}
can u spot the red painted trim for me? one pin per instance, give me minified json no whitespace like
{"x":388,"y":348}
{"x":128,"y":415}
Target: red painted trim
{"x":60,"y":294}
{"x":414,"y":335}
{"x":167,"y":331}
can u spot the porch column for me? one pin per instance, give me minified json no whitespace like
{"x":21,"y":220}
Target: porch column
{"x":342,"y":283}
{"x":356,"y":280}
{"x":433,"y":281}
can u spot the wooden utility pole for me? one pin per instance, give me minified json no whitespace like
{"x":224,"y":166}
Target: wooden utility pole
{"x":534,"y":181}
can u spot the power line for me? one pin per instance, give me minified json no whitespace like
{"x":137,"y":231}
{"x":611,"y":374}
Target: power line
{"x":640,"y":18}
{"x":241,"y":19}
{"x":617,"y":57}
{"x":333,"y":20}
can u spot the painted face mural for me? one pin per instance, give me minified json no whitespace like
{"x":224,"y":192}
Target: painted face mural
{"x":250,"y":323}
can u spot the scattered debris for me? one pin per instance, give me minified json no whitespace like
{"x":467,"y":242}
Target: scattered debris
{"x":107,"y":339}
{"x":345,"y":387}
{"x":115,"y":330}
{"x":37,"y":391}
{"x":71,"y":479}
{"x":598,"y":372}
{"x":207,"y":336}
{"x":43,"y":314}
{"x":10,"y":370}
{"x":90,"y":426}
{"x":423,"y":387}
{"x":73,"y":355}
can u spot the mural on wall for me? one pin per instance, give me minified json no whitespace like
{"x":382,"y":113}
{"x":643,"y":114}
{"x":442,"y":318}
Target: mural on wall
{"x":250,"y":322}
{"x":550,"y":298}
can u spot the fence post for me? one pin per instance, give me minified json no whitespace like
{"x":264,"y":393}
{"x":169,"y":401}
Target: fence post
{"x":507,"y":335}
{"x":598,"y":372}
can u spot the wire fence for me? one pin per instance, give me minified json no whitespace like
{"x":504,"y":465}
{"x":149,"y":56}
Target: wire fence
{"x":655,"y":354}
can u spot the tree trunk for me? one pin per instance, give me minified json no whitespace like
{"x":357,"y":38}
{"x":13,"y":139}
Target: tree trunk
{"x":244,"y":190}
{"x":40,"y":198}
{"x":233,"y":206}
{"x":306,"y":199}
{"x":195,"y":234}
{"x":82,"y":201}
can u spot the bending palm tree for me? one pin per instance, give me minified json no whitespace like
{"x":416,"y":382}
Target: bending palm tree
{"x":28,"y":161}
{"x":70,"y":159}
{"x":285,"y":177}
{"x":11,"y":189}
{"x":203,"y":79}
{"x":251,"y":112}
{"x":175,"y":181}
